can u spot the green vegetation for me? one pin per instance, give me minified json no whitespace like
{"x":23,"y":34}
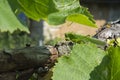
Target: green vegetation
{"x":53,"y":11}
{"x":86,"y":61}
{"x":79,"y":64}
{"x":83,"y":39}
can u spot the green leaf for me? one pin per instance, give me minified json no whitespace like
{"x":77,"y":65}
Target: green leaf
{"x":14,"y":5}
{"x":80,"y":18}
{"x":79,"y":38}
{"x":79,"y":64}
{"x":60,"y":17}
{"x":65,"y":5}
{"x":75,"y":15}
{"x":85,"y":12}
{"x":57,"y":18}
{"x":109,"y":69}
{"x":66,"y":11}
{"x":8,"y":20}
{"x":55,"y":12}
{"x":102,"y":71}
{"x":37,"y":9}
{"x":114,"y":54}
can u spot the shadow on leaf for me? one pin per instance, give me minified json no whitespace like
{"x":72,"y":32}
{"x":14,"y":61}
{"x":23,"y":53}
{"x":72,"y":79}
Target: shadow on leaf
{"x":102,"y":71}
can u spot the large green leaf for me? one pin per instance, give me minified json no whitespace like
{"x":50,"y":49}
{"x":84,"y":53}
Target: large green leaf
{"x":37,"y":9}
{"x":79,"y":64}
{"x":8,"y":21}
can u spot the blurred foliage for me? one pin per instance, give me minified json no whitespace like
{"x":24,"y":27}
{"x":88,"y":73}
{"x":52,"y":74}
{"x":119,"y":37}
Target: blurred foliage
{"x":33,"y":77}
{"x":17,"y":39}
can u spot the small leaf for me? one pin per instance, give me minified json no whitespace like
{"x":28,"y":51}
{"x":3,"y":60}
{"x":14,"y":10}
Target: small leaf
{"x":80,"y":38}
{"x":82,"y":19}
{"x":79,"y":64}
